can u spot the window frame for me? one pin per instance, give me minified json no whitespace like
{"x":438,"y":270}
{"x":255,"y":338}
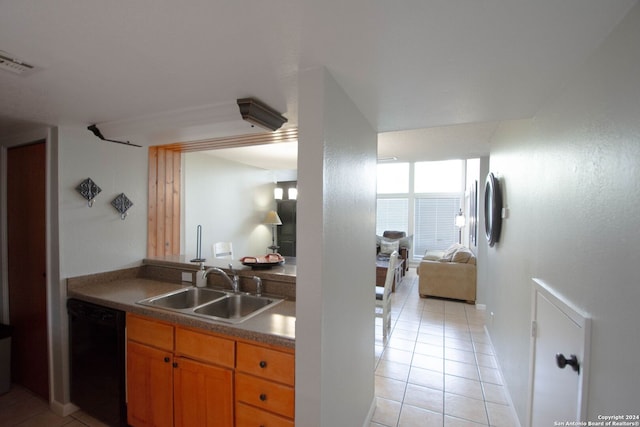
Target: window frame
{"x":412,"y":196}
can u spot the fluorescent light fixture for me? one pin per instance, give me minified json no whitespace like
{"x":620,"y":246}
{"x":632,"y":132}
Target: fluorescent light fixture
{"x":259,"y":114}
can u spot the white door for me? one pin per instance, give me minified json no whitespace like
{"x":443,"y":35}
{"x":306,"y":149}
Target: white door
{"x":559,"y":331}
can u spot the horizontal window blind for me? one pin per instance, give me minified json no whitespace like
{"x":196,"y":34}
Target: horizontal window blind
{"x":392,"y":214}
{"x":434,"y":224}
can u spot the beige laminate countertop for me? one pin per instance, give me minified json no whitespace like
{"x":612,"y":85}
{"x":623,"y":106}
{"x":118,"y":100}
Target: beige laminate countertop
{"x":274,"y":326}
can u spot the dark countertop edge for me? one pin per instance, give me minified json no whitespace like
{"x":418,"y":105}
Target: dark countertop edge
{"x":234,"y":330}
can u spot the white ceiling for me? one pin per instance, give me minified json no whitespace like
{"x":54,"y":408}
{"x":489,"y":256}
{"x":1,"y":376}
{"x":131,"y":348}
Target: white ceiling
{"x":158,"y":71}
{"x":283,"y":156}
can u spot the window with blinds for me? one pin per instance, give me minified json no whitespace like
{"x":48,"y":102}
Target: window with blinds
{"x":392,"y":214}
{"x":434,"y":223}
{"x":423,"y":199}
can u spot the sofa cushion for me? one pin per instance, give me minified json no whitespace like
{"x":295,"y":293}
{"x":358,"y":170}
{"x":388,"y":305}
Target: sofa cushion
{"x":433,"y":255}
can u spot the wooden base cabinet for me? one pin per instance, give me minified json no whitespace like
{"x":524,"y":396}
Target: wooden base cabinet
{"x":165,"y":388}
{"x":183,"y":377}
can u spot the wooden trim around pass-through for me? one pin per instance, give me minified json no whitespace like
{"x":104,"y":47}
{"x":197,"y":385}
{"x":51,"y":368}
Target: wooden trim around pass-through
{"x":165,"y":191}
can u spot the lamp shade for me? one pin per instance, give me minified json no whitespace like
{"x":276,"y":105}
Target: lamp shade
{"x":272,"y":218}
{"x":460,"y":219}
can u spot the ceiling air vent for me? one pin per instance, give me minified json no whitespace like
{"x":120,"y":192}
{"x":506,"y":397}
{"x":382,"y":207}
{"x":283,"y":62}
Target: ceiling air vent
{"x":16,"y":66}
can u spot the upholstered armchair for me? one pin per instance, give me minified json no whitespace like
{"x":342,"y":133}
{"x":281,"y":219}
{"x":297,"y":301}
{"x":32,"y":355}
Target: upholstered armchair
{"x":392,"y":240}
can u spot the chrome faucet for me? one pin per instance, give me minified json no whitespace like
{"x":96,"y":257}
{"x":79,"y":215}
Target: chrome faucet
{"x":234,"y":283}
{"x":258,"y":285}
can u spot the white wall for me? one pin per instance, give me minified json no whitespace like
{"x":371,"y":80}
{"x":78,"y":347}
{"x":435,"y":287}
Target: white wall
{"x":230,"y":201}
{"x":336,"y":257}
{"x":570,"y":177}
{"x":94,"y":240}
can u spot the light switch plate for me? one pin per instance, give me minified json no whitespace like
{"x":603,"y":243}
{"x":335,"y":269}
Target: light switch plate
{"x":187,"y":276}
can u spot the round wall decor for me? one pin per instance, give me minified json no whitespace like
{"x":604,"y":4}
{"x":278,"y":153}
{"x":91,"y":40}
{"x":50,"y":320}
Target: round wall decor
{"x":492,"y":209}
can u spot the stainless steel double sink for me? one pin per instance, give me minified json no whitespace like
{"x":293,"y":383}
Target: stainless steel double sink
{"x":212,"y":304}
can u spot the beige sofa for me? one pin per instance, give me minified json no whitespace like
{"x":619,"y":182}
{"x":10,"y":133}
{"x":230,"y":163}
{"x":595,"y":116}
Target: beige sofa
{"x":448,"y":274}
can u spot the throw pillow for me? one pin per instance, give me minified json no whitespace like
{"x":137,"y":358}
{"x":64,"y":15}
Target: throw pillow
{"x":406,"y":242}
{"x":448,"y":254}
{"x":388,"y":246}
{"x":462,"y":255}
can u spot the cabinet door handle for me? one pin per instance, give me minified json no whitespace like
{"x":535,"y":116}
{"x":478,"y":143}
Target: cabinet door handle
{"x":175,"y":364}
{"x":166,"y":360}
{"x":263,"y":364}
{"x":263,"y":397}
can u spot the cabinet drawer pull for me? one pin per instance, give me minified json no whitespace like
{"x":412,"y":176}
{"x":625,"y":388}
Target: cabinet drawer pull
{"x":263,"y":364}
{"x":263,"y":397}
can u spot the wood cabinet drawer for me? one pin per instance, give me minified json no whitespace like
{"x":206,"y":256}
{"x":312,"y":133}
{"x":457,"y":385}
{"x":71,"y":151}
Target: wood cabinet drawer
{"x":205,"y":347}
{"x":266,"y":363}
{"x":266,"y":395}
{"x":150,"y":332}
{"x":248,"y":416}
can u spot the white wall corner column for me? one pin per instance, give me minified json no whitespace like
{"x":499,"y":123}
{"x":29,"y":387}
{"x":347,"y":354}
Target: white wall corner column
{"x":336,"y":228}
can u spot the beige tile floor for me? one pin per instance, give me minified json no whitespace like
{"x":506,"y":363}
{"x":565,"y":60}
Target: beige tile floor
{"x":20,"y":407}
{"x":437,"y":366}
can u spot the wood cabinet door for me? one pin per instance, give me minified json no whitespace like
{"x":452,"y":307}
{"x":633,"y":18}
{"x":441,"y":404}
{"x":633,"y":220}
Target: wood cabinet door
{"x":149,"y":386}
{"x":203,"y":394}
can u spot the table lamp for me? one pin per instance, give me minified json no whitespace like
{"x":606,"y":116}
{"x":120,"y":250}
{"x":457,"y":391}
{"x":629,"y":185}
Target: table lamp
{"x":272,"y":219}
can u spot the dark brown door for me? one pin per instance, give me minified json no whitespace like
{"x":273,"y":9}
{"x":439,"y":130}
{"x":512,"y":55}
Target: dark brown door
{"x":26,"y":224}
{"x":287,"y":231}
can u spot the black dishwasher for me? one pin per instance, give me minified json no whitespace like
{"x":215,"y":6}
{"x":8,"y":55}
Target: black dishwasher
{"x":97,"y":361}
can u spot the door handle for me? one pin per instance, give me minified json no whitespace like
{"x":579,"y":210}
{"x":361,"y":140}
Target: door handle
{"x":572,"y":361}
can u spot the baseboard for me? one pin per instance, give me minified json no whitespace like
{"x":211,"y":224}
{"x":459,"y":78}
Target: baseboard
{"x":504,"y":383}
{"x":372,"y":409}
{"x":62,"y":409}
{"x":481,"y":306}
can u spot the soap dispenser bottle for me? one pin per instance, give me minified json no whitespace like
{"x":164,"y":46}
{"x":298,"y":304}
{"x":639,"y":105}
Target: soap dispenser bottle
{"x":201,"y":280}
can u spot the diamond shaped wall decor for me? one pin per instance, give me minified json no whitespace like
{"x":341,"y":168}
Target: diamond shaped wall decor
{"x":122,"y":205}
{"x":89,"y":190}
